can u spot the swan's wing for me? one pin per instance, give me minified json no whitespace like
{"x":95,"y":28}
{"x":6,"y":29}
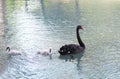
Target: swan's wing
{"x":64,"y":50}
{"x":73,"y":48}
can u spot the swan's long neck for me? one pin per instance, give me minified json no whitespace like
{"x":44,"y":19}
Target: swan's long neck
{"x":79,"y":39}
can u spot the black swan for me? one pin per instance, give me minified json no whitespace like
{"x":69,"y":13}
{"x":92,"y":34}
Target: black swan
{"x":73,"y":48}
{"x":13,"y":52}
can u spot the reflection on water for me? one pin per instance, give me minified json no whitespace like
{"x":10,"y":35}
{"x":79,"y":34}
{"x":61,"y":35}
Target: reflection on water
{"x":33,"y":25}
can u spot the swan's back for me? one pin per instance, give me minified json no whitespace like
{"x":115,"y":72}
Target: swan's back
{"x":70,"y":49}
{"x":14,"y":52}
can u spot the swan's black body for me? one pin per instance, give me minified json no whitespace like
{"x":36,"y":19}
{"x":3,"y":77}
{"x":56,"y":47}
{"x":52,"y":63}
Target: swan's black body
{"x":73,"y":48}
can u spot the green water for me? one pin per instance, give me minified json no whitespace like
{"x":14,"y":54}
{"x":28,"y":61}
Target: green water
{"x":33,"y":25}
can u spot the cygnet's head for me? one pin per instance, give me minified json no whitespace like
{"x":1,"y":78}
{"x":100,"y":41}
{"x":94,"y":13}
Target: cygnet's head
{"x":8,"y":49}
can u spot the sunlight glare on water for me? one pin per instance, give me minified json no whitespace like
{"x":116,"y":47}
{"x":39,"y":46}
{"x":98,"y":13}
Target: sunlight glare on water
{"x":33,"y":25}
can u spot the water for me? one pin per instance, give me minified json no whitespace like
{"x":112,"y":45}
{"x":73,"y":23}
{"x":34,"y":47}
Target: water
{"x":33,"y":25}
{"x":3,"y":56}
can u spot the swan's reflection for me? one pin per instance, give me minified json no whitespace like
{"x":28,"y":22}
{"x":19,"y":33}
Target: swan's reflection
{"x":72,"y":57}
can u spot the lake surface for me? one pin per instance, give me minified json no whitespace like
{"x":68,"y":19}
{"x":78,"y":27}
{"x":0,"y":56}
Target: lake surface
{"x":33,"y":25}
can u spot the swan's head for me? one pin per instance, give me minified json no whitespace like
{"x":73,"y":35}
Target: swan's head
{"x":79,"y":27}
{"x":8,"y":49}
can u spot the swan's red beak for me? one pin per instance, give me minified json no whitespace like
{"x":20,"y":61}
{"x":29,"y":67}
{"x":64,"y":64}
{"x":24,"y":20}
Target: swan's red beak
{"x":81,"y":28}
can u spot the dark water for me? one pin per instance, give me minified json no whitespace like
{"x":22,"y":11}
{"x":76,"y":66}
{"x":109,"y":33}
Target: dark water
{"x":33,"y":25}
